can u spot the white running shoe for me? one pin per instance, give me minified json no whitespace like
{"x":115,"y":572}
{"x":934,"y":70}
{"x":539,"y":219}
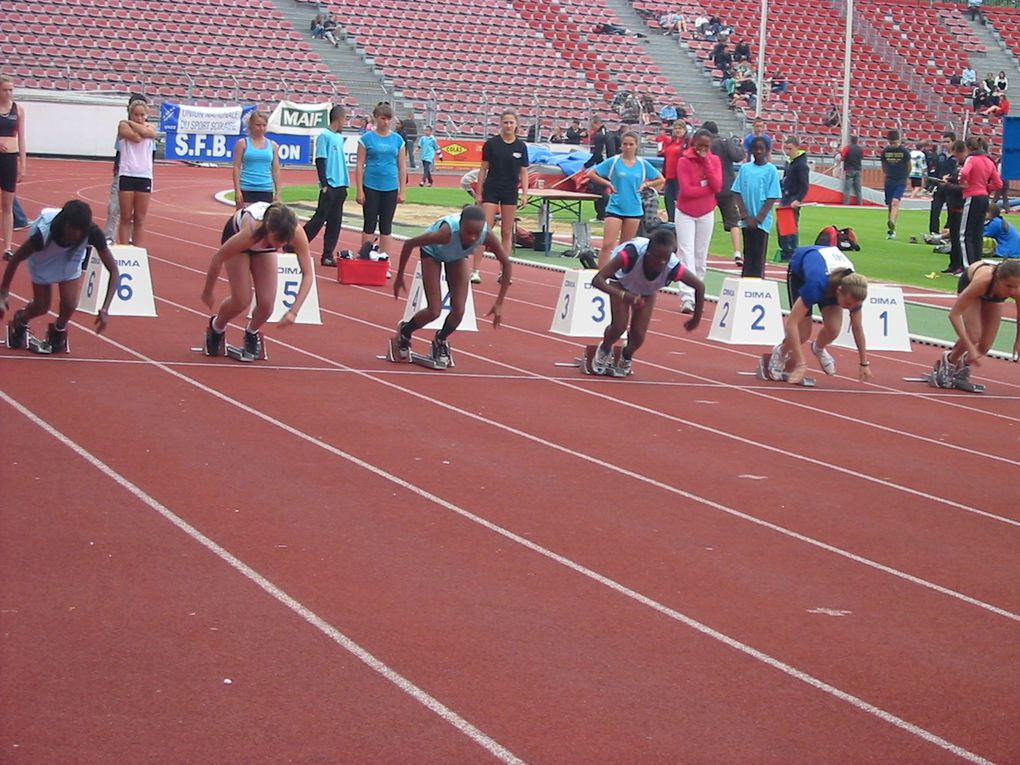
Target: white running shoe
{"x":825,"y":359}
{"x":476,"y":277}
{"x":777,"y":364}
{"x":687,"y":306}
{"x":603,"y":358}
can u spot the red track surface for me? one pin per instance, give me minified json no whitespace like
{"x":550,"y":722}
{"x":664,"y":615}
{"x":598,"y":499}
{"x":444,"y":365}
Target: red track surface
{"x":684,"y":567}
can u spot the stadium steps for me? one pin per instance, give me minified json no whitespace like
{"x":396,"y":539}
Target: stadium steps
{"x":684,"y":73}
{"x":998,"y":56}
{"x":346,"y":62}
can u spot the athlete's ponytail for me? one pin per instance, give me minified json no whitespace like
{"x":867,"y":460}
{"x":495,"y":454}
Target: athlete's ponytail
{"x":855,"y":285}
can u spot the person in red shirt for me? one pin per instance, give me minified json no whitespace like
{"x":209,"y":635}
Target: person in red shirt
{"x":980,"y":179}
{"x":699,"y":179}
{"x":670,"y":151}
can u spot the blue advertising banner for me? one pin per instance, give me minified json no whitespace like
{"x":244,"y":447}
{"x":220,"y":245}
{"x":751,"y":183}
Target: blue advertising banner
{"x":204,"y":120}
{"x":199,"y":147}
{"x":1011,"y":148}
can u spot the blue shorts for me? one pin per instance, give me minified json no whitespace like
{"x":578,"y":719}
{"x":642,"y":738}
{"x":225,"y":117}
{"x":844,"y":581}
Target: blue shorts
{"x":894,"y":191}
{"x":53,"y":269}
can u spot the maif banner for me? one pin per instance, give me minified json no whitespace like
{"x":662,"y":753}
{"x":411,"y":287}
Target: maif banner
{"x":289,"y":118}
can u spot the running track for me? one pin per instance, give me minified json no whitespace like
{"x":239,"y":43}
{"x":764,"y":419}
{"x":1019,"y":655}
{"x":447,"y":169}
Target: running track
{"x":325,"y":558}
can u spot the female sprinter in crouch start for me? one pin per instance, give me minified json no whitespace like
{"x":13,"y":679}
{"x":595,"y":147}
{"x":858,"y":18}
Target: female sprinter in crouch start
{"x":636,"y":271}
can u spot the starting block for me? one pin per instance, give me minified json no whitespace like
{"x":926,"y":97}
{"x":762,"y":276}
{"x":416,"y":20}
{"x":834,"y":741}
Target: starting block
{"x":237,"y":353}
{"x":54,"y":342}
{"x":586,"y":362}
{"x":581,"y":309}
{"x":926,"y":378}
{"x":748,"y":313}
{"x":762,"y":373}
{"x":884,"y":318}
{"x":416,"y":301}
{"x":422,"y":360}
{"x":133,"y":296}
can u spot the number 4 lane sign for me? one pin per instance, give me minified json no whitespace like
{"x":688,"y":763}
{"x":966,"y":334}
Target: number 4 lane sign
{"x":134,"y":288}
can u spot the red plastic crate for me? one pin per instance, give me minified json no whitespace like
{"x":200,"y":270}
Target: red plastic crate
{"x":370,"y":273}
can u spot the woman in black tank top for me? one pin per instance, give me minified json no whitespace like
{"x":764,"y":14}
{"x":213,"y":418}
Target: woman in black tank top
{"x":977,"y":313}
{"x":12,"y":159}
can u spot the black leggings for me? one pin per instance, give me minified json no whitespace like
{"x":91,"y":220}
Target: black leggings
{"x":379,"y":209}
{"x":756,"y":245}
{"x":972,"y":229}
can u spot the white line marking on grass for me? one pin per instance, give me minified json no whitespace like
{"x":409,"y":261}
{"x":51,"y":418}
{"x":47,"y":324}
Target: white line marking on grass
{"x":430,"y":702}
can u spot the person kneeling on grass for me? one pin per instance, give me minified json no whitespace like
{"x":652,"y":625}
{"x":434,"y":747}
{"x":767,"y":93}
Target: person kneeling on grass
{"x":56,"y":251}
{"x":251,"y":238}
{"x":975,"y":316}
{"x":449,"y":242}
{"x":825,"y":277}
{"x":635,"y":273}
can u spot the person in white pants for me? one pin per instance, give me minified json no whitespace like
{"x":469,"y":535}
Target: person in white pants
{"x":699,"y":177}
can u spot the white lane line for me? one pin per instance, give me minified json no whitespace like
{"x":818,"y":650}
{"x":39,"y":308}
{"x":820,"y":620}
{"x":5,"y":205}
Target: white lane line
{"x":430,"y":702}
{"x":400,"y":681}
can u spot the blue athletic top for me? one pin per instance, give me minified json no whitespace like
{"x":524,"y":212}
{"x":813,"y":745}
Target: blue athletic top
{"x":813,"y":265}
{"x":756,"y":184}
{"x":330,"y":146}
{"x":1006,"y":236}
{"x":627,"y":199}
{"x":381,"y":167}
{"x":454,"y":249}
{"x":52,"y":263}
{"x":632,"y":276}
{"x":429,"y":147}
{"x":257,"y":167}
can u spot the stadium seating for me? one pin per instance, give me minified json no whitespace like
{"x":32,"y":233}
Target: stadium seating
{"x":134,"y":45}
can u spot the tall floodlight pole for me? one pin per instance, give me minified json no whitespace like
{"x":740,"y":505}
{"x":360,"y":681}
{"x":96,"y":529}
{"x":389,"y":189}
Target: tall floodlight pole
{"x":847,"y":50}
{"x":761,"y":58}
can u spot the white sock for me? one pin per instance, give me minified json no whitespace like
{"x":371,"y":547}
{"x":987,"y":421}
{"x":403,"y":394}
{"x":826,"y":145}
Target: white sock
{"x":738,"y":254}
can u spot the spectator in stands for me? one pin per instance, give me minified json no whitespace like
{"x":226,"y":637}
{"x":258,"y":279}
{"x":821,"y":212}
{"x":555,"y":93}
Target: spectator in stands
{"x":575,"y":134}
{"x":1005,"y":236}
{"x":668,"y":114}
{"x":630,"y":114}
{"x":603,"y":145}
{"x":795,"y":186}
{"x":557,"y":135}
{"x":778,"y":84}
{"x":741,"y":51}
{"x":980,"y":179}
{"x":673,"y":23}
{"x":832,"y":117}
{"x":945,"y":166}
{"x":757,"y":131}
{"x":918,"y":166}
{"x":136,"y":141}
{"x":722,"y":58}
{"x":334,"y":180}
{"x":988,"y":83}
{"x":1000,"y":107}
{"x":968,"y":77}
{"x":381,"y":173}
{"x":329,"y":31}
{"x":701,"y":25}
{"x":974,"y":9}
{"x":756,"y":190}
{"x":744,"y":80}
{"x":852,"y":157}
{"x":113,"y":201}
{"x":256,"y":165}
{"x":625,"y":176}
{"x":1001,"y":82}
{"x":429,"y":148}
{"x":896,"y":166}
{"x":316,"y":26}
{"x":647,"y":109}
{"x":504,"y":168}
{"x":698,"y":178}
{"x":670,"y":151}
{"x":12,"y":159}
{"x":729,"y":150}
{"x":980,"y":98}
{"x":408,"y":130}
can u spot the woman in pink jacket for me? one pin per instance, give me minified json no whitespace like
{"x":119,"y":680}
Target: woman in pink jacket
{"x":980,"y":179}
{"x":699,"y":177}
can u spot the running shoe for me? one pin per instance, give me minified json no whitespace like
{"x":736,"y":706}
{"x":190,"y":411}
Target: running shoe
{"x":57,"y":339}
{"x":943,"y":373}
{"x":253,"y":344}
{"x":327,"y":259}
{"x":602,"y":359}
{"x":625,"y":367}
{"x":777,"y":363}
{"x":403,"y":342}
{"x":215,"y":342}
{"x":441,"y":353}
{"x":687,"y":306}
{"x":8,"y":255}
{"x":476,"y":277}
{"x":17,"y":331}
{"x":738,"y":259}
{"x":825,"y":360}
